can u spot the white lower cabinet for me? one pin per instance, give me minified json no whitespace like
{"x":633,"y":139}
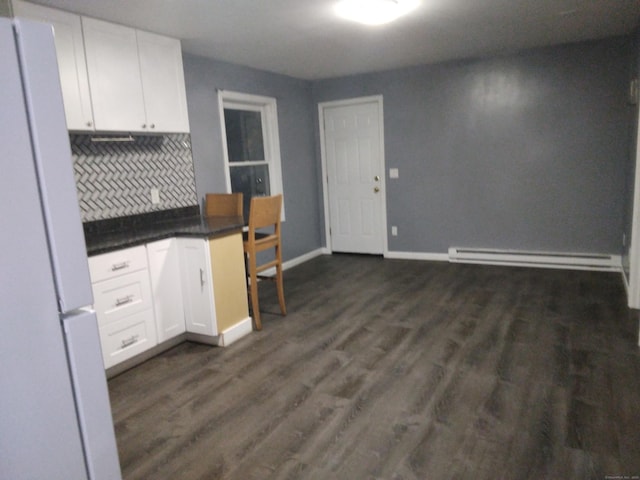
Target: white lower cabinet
{"x":197,"y":286}
{"x":127,"y":337}
{"x":149,"y":294}
{"x":164,"y":271}
{"x":119,"y":297}
{"x":123,"y":303}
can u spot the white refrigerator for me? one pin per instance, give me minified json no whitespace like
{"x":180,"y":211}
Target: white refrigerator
{"x":55,"y":416}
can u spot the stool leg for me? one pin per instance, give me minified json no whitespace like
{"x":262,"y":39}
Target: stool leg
{"x":279,"y":280}
{"x":253,"y":288}
{"x":280,"y":288}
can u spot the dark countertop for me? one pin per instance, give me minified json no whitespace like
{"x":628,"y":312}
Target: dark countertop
{"x":144,"y":232}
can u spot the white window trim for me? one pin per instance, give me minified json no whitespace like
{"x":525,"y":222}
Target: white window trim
{"x":267,"y":106}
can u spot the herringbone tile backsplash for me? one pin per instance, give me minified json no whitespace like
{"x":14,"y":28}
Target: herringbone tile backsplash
{"x":114,"y":179}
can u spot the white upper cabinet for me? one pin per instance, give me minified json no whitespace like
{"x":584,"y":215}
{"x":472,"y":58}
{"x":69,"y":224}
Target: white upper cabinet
{"x":136,"y":78}
{"x":163,"y":79}
{"x":114,"y":76}
{"x":72,"y":64}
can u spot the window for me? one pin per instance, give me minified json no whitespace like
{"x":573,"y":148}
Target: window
{"x":251,"y":144}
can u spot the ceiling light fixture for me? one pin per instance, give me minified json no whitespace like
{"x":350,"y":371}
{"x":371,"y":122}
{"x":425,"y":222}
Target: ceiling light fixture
{"x":374,"y":12}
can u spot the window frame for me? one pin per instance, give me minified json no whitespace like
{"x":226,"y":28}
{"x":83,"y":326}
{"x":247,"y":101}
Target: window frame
{"x":271,"y":138}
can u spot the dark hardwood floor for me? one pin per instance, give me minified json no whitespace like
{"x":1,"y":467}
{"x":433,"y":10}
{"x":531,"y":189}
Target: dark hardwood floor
{"x":389,"y":369}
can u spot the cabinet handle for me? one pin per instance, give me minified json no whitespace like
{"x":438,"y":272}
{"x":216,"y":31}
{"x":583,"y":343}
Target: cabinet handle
{"x":201,"y":278}
{"x":144,"y":125}
{"x":153,"y":125}
{"x":129,"y":341}
{"x":89,"y":124}
{"x":119,"y":266}
{"x":124,"y":300}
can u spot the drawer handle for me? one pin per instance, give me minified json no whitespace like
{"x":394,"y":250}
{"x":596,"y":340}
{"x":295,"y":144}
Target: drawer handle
{"x":201,"y":278}
{"x":129,"y":341}
{"x":124,"y":300}
{"x":119,"y":266}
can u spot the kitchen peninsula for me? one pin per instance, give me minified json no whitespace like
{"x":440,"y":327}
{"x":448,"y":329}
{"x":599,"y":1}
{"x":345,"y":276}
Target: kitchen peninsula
{"x":165,"y":277}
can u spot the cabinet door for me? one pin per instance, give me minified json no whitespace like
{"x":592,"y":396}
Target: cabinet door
{"x":72,"y":64}
{"x":197,"y":286}
{"x":164,"y":270}
{"x":117,"y":263}
{"x":119,"y":297}
{"x":114,"y":76}
{"x":163,"y":83}
{"x":127,"y":337}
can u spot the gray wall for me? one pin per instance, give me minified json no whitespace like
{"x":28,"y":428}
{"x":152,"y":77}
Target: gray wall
{"x":301,"y":231}
{"x":522,"y":152}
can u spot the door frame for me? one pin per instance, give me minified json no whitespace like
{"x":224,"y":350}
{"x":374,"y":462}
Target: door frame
{"x":322,"y":106}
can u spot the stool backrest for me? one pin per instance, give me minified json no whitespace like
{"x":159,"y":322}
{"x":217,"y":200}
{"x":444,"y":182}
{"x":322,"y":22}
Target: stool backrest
{"x":223,"y":205}
{"x":265,"y":212}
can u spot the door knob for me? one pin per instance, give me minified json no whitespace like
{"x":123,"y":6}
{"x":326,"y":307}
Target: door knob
{"x":376,"y":189}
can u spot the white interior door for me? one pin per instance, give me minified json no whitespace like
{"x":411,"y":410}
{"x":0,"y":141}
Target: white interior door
{"x":355,"y":175}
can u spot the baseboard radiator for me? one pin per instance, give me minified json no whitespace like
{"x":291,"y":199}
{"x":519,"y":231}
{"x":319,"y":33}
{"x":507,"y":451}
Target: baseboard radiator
{"x":575,"y":261}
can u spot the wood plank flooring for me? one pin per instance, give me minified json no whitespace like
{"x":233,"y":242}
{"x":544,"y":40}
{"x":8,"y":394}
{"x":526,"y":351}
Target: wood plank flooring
{"x":390,"y":369}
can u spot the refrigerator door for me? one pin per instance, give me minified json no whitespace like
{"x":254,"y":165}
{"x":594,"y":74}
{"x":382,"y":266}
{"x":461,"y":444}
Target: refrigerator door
{"x":39,"y":433}
{"x":92,"y":396}
{"x":50,"y":139}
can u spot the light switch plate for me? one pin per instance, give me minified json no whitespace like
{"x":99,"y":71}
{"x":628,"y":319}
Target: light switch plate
{"x":393,"y":173}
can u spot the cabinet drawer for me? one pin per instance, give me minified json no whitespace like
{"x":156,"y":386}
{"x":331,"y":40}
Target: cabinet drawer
{"x":122,"y":296}
{"x":127,"y":337}
{"x":114,"y":264}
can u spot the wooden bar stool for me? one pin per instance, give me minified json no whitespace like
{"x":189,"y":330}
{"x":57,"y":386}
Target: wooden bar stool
{"x":223,"y":205}
{"x":264,"y":214}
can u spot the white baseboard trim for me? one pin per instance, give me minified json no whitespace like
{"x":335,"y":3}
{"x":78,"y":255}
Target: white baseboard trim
{"x":596,"y":262}
{"x":235,"y":332}
{"x":294,"y":262}
{"x":304,"y":258}
{"x":432,"y":257}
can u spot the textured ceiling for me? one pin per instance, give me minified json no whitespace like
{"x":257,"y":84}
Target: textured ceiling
{"x":304,"y":39}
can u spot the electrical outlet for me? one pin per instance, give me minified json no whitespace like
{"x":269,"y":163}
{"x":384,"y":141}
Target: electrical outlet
{"x":394,"y":231}
{"x":393,"y":173}
{"x":155,"y":196}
